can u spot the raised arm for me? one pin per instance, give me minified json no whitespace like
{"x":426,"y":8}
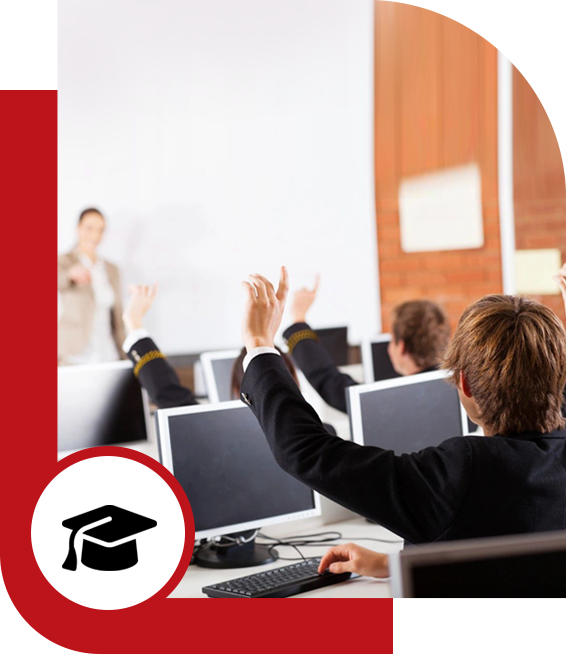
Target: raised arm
{"x":311,"y":356}
{"x":416,"y":496}
{"x":151,"y":367}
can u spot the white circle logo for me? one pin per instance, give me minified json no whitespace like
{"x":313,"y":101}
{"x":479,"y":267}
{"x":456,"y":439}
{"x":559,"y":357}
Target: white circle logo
{"x":108,"y":532}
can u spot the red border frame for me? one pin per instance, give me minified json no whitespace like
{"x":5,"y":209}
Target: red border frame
{"x":28,"y":170}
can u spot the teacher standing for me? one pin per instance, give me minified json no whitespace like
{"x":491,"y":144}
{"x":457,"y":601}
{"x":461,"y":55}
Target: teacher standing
{"x":90,"y":327}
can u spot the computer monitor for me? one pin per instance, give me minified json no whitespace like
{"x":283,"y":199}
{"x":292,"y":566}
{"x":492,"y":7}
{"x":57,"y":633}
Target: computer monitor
{"x":375,"y":359}
{"x":335,"y":341}
{"x":532,"y":565}
{"x":100,"y":404}
{"x":217,"y":372}
{"x":406,"y":414}
{"x":221,"y":458}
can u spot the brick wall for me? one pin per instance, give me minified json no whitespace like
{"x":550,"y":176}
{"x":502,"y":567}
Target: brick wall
{"x":539,"y":187}
{"x":436,"y":107}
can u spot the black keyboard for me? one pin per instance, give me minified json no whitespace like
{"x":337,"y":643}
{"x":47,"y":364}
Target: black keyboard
{"x":278,"y":582}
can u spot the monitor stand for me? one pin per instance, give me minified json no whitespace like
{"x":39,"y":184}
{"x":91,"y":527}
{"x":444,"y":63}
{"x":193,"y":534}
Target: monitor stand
{"x":227,"y":554}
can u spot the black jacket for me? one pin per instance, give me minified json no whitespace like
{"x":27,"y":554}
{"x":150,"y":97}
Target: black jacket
{"x":157,"y":376}
{"x":317,"y":365}
{"x":160,"y":380}
{"x":468,"y":487}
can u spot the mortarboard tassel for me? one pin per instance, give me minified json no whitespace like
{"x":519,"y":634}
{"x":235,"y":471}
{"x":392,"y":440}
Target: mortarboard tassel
{"x":71,"y":560}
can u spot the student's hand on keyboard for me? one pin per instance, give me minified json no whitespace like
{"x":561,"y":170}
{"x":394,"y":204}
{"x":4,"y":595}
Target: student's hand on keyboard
{"x":353,"y":558}
{"x":560,"y":279}
{"x":141,"y":299}
{"x":302,"y":301}
{"x":264,"y":309}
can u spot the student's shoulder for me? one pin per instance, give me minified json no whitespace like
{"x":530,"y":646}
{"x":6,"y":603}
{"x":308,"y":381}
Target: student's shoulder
{"x":450,"y":462}
{"x":457,"y":449}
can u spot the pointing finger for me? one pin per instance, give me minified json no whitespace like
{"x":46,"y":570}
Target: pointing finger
{"x":283,"y":289}
{"x":316,"y":283}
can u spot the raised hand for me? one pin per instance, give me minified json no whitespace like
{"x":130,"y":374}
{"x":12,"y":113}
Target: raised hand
{"x":141,"y":299}
{"x":264,"y":309}
{"x":353,"y":558}
{"x":302,"y":301}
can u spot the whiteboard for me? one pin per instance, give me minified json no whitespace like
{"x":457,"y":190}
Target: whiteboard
{"x":223,"y":138}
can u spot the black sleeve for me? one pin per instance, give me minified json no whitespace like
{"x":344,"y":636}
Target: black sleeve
{"x":317,"y":365}
{"x":157,"y":376}
{"x":414,"y":495}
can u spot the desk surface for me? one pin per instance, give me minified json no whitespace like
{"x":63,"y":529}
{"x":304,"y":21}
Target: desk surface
{"x":352,"y":530}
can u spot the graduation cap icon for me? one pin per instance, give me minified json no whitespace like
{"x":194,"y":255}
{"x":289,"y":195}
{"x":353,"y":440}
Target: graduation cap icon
{"x":109,"y":538}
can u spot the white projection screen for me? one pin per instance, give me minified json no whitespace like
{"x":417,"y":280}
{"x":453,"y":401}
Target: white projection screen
{"x":222,"y":138}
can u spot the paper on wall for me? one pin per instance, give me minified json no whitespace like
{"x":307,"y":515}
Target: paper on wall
{"x":442,"y":210}
{"x":534,"y":271}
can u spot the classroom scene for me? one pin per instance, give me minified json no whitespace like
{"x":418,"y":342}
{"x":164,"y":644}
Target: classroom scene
{"x":312,"y":260}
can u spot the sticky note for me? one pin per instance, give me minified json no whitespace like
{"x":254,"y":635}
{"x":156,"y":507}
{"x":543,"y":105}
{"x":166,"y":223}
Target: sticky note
{"x":534,"y":271}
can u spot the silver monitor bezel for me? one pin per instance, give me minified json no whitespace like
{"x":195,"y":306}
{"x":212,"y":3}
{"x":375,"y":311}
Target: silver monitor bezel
{"x":402,"y":563}
{"x":164,"y":438}
{"x":108,"y":365}
{"x":206,"y":359}
{"x":367,"y":355}
{"x":357,"y":391}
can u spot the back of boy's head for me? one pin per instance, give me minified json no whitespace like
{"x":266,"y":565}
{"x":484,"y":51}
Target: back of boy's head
{"x":424,"y":328}
{"x":512,"y":351}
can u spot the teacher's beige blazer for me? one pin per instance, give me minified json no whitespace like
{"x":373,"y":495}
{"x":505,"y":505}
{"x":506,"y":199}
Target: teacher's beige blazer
{"x":78,"y":306}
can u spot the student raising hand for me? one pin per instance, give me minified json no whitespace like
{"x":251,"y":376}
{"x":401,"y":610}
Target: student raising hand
{"x":264,"y":309}
{"x":353,"y":558}
{"x":560,"y":279}
{"x":141,"y":299}
{"x":302,"y":301}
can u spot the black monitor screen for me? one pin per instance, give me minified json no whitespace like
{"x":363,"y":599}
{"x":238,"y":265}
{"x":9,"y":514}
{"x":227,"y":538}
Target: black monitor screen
{"x":222,"y":461}
{"x":411,"y":417}
{"x":98,"y":405}
{"x":541,"y":574}
{"x":382,"y":366}
{"x":335,"y":341}
{"x":222,"y":370}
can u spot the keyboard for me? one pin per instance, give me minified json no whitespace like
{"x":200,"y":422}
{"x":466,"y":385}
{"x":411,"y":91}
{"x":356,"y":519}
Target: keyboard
{"x":279,"y":582}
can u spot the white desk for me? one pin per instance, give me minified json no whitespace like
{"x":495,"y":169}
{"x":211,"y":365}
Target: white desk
{"x":361,"y":587}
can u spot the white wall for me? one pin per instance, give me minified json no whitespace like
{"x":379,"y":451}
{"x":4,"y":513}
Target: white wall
{"x":221,"y":138}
